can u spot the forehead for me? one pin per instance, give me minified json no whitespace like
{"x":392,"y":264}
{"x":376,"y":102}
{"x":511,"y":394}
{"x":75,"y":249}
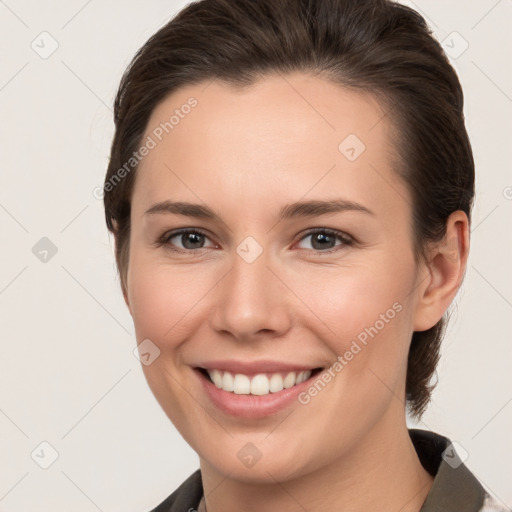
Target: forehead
{"x":288,"y":135}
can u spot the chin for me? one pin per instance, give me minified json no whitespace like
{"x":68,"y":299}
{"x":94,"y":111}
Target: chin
{"x":259,"y":461}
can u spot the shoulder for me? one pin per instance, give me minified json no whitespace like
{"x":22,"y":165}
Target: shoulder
{"x":185,"y":498}
{"x":455,"y":488}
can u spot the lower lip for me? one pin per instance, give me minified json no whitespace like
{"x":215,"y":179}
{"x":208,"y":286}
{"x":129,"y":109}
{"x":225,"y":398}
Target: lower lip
{"x":252,"y":406}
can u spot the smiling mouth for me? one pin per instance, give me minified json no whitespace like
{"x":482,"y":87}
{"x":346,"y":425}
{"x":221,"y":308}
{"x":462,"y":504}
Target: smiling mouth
{"x":259,"y":384}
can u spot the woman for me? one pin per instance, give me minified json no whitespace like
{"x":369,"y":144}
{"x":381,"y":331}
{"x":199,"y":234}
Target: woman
{"x":290,"y":191}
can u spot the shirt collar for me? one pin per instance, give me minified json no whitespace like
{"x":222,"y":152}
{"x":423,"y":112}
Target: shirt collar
{"x":455,"y":488}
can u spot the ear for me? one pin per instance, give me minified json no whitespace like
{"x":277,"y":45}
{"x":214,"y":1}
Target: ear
{"x":125,"y":295}
{"x":123,"y":281}
{"x":445,"y":270}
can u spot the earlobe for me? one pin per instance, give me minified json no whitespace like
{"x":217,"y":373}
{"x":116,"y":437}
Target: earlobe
{"x":123,"y":276}
{"x":447,"y":261}
{"x":124,"y":287}
{"x":125,"y":295}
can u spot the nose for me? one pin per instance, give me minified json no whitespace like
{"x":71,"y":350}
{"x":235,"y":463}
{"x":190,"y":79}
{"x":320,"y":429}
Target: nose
{"x":252,"y":301}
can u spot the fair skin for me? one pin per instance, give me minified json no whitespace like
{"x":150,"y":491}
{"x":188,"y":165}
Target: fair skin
{"x":246,"y":154}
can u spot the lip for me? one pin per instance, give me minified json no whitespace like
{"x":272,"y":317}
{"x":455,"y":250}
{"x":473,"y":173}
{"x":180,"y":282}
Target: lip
{"x":253,"y":406}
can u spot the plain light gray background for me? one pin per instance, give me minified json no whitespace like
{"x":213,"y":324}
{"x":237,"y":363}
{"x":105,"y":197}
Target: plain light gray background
{"x":68,"y":375}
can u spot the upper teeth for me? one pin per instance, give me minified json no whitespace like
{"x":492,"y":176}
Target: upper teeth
{"x":259,"y":384}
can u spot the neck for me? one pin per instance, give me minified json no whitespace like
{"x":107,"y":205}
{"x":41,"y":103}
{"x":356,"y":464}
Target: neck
{"x":382,"y":473}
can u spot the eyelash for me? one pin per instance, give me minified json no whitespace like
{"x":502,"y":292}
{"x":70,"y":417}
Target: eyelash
{"x":347,"y":240}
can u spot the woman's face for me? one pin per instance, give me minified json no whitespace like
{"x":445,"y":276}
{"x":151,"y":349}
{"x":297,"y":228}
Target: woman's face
{"x":251,"y":290}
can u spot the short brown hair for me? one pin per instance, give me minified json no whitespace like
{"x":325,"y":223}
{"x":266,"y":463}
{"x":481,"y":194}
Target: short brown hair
{"x":373,"y":45}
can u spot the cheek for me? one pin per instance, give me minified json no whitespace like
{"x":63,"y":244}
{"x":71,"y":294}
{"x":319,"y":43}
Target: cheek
{"x":360,"y":301}
{"x":163,"y":298}
{"x":365,"y":316}
{"x":164,"y":303}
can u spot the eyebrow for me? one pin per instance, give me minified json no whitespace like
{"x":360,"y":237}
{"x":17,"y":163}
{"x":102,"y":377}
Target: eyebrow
{"x":310,"y":208}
